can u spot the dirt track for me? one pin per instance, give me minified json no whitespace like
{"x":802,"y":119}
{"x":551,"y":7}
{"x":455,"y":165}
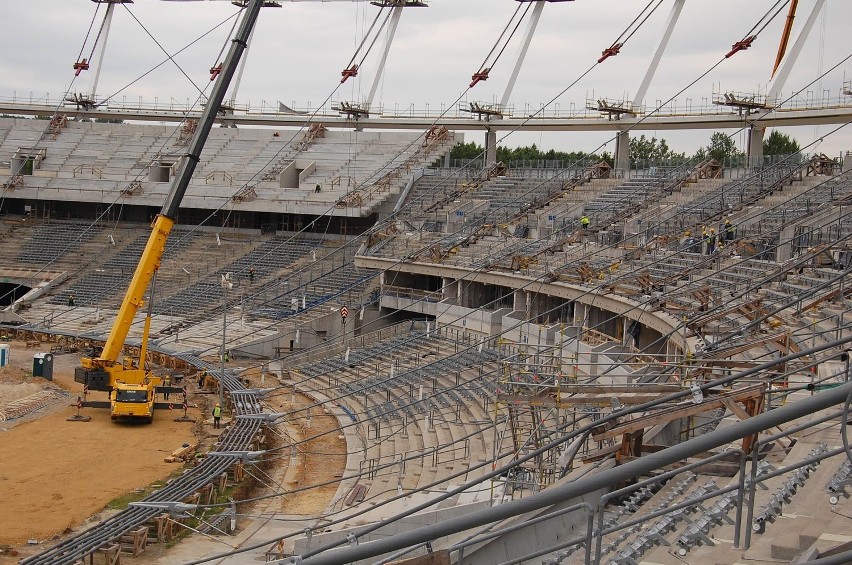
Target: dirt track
{"x":54,"y":473}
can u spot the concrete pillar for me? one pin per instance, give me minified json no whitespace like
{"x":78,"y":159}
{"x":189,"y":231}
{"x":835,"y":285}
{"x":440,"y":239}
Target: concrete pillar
{"x":622,"y":152}
{"x":519,"y":302}
{"x":755,"y":146}
{"x":450,"y":288}
{"x":580,"y":311}
{"x":490,"y":147}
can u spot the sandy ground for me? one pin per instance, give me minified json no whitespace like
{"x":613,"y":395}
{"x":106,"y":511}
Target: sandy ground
{"x":54,"y":473}
{"x":321,"y":460}
{"x":58,"y":476}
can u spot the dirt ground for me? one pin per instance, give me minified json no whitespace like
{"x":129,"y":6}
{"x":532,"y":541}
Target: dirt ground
{"x":57,"y":476}
{"x":53,"y":473}
{"x":322,"y":459}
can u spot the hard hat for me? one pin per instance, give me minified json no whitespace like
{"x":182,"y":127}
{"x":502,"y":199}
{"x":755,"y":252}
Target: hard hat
{"x":217,"y":404}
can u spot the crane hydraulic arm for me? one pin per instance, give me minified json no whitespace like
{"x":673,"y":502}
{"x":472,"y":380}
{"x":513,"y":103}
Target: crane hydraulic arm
{"x":149,"y":262}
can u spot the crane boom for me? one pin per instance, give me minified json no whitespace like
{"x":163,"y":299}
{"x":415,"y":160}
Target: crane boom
{"x":106,"y":371}
{"x":785,"y":35}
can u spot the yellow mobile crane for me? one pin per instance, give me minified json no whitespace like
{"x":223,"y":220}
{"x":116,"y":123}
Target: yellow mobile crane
{"x":132,"y":389}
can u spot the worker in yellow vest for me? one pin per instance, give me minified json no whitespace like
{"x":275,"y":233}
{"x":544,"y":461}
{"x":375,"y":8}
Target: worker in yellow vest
{"x":217,"y":415}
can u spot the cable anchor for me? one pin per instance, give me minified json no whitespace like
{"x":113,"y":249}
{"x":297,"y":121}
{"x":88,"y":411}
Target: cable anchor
{"x":349,"y":73}
{"x":741,"y":46}
{"x":612,"y":51}
{"x":80,"y":66}
{"x":480,"y":76}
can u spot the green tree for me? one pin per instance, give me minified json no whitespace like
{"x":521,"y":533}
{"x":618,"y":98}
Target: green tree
{"x":722,"y":148}
{"x":467,"y":151}
{"x":644,"y":150}
{"x":529,"y":153}
{"x":780,"y":144}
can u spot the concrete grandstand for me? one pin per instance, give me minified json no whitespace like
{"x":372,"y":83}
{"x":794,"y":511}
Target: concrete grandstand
{"x":486,"y":321}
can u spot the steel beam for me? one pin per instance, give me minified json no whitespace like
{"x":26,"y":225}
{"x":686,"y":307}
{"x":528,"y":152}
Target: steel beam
{"x":639,"y":99}
{"x":522,"y":54}
{"x":775,"y":118}
{"x":394,"y":22}
{"x":793,"y":55}
{"x":99,"y":56}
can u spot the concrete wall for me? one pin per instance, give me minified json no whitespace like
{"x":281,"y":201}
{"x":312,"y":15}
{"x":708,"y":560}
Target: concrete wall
{"x":409,"y":304}
{"x":413,"y":522}
{"x":542,"y":535}
{"x":485,"y":322}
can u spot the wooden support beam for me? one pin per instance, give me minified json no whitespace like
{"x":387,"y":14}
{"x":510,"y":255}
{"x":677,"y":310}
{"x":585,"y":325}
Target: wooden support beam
{"x":135,"y":541}
{"x":111,"y":554}
{"x":672,"y":413}
{"x":731,"y":351}
{"x":744,"y":414}
{"x":631,"y":446}
{"x":825,"y":297}
{"x":725,"y":311}
{"x":437,"y":558}
{"x":618,"y":389}
{"x":165,"y":528}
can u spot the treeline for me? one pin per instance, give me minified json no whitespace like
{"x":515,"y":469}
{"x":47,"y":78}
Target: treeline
{"x":642,"y":150}
{"x":472,"y":150}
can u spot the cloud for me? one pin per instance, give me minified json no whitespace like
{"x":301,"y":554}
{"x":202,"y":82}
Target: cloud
{"x":299,"y":50}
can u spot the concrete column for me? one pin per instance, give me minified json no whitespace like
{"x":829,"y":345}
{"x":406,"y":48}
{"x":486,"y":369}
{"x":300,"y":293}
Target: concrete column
{"x":490,"y":147}
{"x":580,"y":311}
{"x":622,"y":152}
{"x":519,"y":303}
{"x":755,"y":146}
{"x":450,"y":288}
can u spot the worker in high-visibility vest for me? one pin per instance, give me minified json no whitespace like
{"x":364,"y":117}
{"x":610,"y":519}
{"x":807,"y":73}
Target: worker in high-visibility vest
{"x":730,"y":230}
{"x":584,"y":222}
{"x":217,"y":415}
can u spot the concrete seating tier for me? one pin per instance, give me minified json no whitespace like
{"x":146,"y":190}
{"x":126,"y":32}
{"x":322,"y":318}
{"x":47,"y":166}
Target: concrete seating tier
{"x":106,"y":285}
{"x":49,"y":242}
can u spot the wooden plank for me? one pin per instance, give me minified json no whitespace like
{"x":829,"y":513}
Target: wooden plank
{"x":736,"y":409}
{"x":566,"y":401}
{"x":731,"y":351}
{"x":441,"y":557}
{"x":598,"y":400}
{"x":827,"y":296}
{"x":614,"y":389}
{"x":356,"y":495}
{"x":598,"y":454}
{"x":742,"y":414}
{"x":181,"y":453}
{"x":666,"y":415}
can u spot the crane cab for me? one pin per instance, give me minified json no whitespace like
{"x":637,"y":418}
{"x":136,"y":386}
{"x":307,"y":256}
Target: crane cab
{"x":132,"y":401}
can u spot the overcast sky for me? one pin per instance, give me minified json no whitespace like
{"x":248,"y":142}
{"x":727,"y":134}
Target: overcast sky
{"x":299,"y":50}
